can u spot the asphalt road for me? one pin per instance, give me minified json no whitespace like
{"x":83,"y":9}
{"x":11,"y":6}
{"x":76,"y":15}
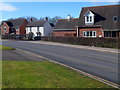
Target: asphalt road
{"x":102,"y":64}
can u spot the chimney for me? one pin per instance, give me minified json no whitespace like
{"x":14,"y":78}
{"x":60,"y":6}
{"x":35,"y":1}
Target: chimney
{"x":31,"y":20}
{"x":68,"y":17}
{"x":46,"y":18}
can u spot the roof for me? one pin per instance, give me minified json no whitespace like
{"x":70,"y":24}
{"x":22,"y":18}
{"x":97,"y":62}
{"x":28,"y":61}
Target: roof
{"x":36,"y":24}
{"x":51,"y":24}
{"x":17,"y":22}
{"x":64,"y":24}
{"x":8,"y":23}
{"x":103,"y":16}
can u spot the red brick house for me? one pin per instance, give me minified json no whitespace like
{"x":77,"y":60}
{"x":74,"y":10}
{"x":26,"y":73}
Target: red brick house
{"x":65,"y":27}
{"x":14,"y":26}
{"x":99,"y":21}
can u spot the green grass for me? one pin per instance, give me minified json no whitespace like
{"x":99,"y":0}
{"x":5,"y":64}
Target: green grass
{"x":6,"y":48}
{"x":44,"y":74}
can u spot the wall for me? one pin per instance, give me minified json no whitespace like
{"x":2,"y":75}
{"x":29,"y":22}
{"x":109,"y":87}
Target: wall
{"x":34,"y":30}
{"x":64,"y":33}
{"x":99,"y":31}
{"x":7,"y":28}
{"x":22,"y":29}
{"x":47,"y":29}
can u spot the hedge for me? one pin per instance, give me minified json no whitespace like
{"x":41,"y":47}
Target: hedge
{"x":97,"y":42}
{"x":17,"y":37}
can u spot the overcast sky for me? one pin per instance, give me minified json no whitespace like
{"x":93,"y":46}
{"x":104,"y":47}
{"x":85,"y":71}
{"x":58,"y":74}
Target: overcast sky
{"x":42,"y":9}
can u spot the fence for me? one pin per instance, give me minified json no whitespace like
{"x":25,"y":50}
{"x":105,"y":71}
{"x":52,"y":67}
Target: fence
{"x":97,"y":42}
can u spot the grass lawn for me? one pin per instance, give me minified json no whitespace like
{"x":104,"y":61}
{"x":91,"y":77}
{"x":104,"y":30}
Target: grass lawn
{"x":44,"y":74}
{"x":6,"y":48}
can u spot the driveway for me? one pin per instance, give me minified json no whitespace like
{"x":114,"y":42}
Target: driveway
{"x":102,"y":64}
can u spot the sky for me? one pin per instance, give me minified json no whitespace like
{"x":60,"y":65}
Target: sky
{"x":42,"y":9}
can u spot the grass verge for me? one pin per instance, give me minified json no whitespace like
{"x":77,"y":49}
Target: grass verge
{"x":44,"y":74}
{"x":6,"y":48}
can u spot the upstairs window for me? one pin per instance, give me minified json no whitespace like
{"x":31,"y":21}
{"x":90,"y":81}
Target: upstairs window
{"x":115,"y":18}
{"x":89,"y":17}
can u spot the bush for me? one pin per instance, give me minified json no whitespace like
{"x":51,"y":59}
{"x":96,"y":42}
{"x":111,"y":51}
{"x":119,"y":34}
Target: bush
{"x":16,"y":37}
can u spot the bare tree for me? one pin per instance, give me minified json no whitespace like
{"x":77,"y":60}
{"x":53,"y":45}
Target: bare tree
{"x":54,"y":19}
{"x":33,"y":18}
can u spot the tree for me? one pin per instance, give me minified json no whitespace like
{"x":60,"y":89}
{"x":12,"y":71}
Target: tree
{"x":54,"y":19}
{"x":33,"y":18}
{"x":30,"y":36}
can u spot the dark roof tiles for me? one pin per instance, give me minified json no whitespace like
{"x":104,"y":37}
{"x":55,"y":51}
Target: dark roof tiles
{"x":65,"y":24}
{"x":17,"y":22}
{"x":36,"y":24}
{"x":103,"y":16}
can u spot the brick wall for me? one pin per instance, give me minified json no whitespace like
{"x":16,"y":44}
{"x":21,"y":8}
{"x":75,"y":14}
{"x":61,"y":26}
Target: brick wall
{"x":64,"y":33}
{"x":99,"y":31}
{"x":23,"y":27}
{"x":7,"y":28}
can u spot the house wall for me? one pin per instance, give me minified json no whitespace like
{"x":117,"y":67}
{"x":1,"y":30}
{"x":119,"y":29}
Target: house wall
{"x":64,"y":33}
{"x":22,"y":29}
{"x":34,"y":30}
{"x":47,"y":29}
{"x":7,"y":28}
{"x":99,"y":31}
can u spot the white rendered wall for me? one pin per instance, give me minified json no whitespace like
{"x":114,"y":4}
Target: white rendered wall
{"x":34,"y":30}
{"x":47,"y":29}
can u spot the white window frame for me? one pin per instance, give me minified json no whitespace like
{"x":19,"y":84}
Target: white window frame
{"x":85,"y":34}
{"x":93,"y":33}
{"x":89,"y":17}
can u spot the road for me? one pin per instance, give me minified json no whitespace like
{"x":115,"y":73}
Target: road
{"x":102,"y":64}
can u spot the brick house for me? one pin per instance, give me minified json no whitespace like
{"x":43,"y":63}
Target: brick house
{"x":99,"y":21}
{"x":14,"y":26}
{"x":65,"y":27}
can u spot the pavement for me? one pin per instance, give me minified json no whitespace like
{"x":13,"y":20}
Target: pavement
{"x":110,"y":50}
{"x":103,"y":64}
{"x":18,"y":55}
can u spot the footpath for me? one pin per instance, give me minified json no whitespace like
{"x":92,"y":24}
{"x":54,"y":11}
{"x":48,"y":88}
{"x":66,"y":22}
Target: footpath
{"x":110,"y":50}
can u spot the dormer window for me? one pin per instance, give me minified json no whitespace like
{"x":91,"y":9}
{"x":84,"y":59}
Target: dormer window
{"x":89,"y":18}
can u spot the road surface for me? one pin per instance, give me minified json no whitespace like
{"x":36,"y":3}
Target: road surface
{"x":102,"y":64}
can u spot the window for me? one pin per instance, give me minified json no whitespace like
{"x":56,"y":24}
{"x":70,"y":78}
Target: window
{"x":89,"y":17}
{"x":5,"y":28}
{"x":84,"y":33}
{"x":38,"y":29}
{"x":94,"y":33}
{"x":115,"y":18}
{"x":89,"y":33}
{"x":17,"y":28}
{"x":30,"y":29}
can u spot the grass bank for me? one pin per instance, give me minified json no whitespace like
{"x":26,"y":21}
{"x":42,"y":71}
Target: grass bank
{"x":44,"y":74}
{"x":6,"y":48}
